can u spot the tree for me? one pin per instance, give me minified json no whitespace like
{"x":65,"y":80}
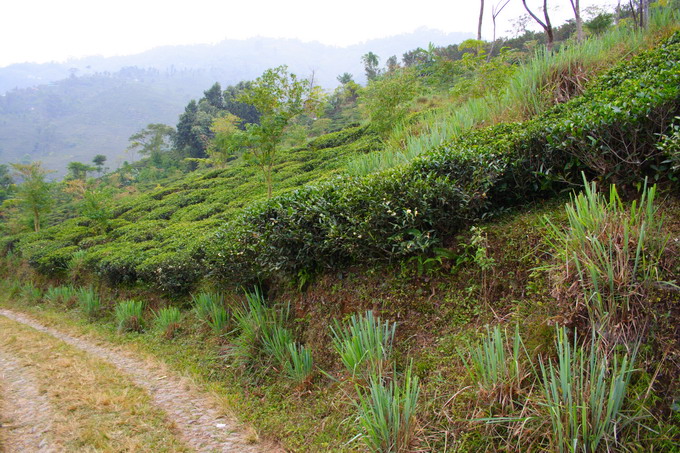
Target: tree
{"x":246,"y":113}
{"x":345,"y":78}
{"x":279,"y":97}
{"x":496,"y":10}
{"x":547,"y":26}
{"x":576,"y":6}
{"x":99,"y":160}
{"x":34,"y":192}
{"x":479,"y":24}
{"x":78,"y":170}
{"x":228,"y":139}
{"x":152,"y":141}
{"x":385,"y":102}
{"x":392,"y":64}
{"x":213,"y":96}
{"x":371,"y":62}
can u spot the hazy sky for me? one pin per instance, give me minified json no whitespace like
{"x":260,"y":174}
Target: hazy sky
{"x":56,"y":30}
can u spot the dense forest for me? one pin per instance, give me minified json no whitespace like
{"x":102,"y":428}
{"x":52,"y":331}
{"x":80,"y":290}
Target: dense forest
{"x":476,"y":249}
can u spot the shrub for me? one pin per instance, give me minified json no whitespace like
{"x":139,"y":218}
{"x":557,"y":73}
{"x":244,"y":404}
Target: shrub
{"x":387,"y":413}
{"x":167,"y":320}
{"x":129,"y":316}
{"x":364,"y":344}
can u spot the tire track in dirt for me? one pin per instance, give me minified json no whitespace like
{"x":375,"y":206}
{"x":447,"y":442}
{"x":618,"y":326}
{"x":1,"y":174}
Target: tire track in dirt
{"x":201,"y":425}
{"x":26,"y":414}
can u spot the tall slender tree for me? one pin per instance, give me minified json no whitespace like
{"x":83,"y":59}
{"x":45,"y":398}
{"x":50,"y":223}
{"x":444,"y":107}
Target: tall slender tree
{"x":481,"y":18}
{"x":278,"y":96}
{"x":576,"y":6}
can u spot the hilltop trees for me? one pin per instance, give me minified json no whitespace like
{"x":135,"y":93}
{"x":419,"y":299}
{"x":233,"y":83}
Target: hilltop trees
{"x":78,"y":170}
{"x":99,"y":160}
{"x":371,"y":62}
{"x":152,"y":141}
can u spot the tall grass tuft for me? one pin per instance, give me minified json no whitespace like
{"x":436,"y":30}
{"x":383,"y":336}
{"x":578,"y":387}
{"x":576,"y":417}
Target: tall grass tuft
{"x":364,"y":344}
{"x":387,"y":413}
{"x":204,"y":304}
{"x":167,"y":320}
{"x":218,"y":319}
{"x":276,"y":341}
{"x":497,"y":363}
{"x":61,"y":294}
{"x":129,"y":316}
{"x":610,"y":253}
{"x":259,"y":331}
{"x":300,"y":366}
{"x":584,"y":397}
{"x":31,"y":293}
{"x":89,"y":302}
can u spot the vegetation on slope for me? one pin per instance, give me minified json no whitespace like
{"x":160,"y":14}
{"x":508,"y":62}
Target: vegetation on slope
{"x":391,"y":243}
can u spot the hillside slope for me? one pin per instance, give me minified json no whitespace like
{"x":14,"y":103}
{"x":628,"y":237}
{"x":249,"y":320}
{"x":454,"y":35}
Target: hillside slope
{"x":176,"y":239}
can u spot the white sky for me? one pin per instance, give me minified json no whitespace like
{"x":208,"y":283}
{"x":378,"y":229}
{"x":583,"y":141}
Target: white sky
{"x":56,"y":30}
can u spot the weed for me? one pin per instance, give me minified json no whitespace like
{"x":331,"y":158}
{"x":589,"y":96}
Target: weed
{"x":204,"y":305}
{"x":497,"y":364}
{"x":61,"y":294}
{"x":276,"y":341}
{"x":31,"y":293}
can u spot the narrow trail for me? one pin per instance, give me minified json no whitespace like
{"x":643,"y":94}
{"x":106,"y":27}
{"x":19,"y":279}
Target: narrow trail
{"x":26,"y":414}
{"x":201,"y":425}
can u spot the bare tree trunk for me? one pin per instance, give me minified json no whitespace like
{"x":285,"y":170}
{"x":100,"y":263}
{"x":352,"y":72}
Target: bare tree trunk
{"x":495,"y":11}
{"x":633,"y":7}
{"x":576,"y":6}
{"x":547,"y":26}
{"x":481,"y":17}
{"x":644,"y":13}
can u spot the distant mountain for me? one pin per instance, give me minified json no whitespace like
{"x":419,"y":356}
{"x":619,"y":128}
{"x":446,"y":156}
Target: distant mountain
{"x":60,"y":112}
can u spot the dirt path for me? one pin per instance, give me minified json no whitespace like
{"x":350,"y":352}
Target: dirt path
{"x":202,"y":426}
{"x":25,"y":412}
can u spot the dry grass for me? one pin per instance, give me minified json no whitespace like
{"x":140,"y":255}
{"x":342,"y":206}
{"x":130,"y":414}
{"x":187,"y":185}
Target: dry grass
{"x":96,"y":408}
